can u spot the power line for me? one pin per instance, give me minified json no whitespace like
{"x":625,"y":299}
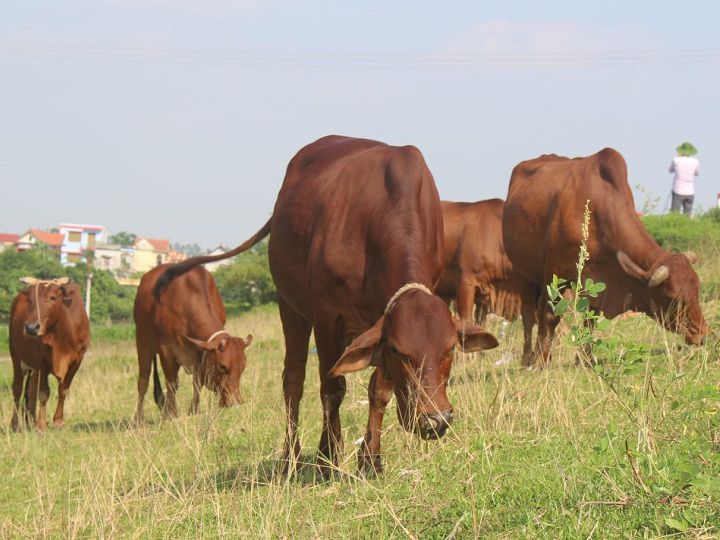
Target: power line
{"x":367,"y":60}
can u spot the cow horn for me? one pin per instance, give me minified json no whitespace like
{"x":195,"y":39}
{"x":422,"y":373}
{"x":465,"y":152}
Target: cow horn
{"x":691,"y":256}
{"x":659,"y":275}
{"x":30,"y":281}
{"x":61,"y":281}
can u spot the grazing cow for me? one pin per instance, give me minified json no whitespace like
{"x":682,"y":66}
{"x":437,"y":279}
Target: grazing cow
{"x":355,"y":250}
{"x":185,"y":324}
{"x":477,"y":271}
{"x":542,"y":230}
{"x":49,"y":333}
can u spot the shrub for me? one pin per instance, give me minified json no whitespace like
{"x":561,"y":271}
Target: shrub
{"x":247,"y":282}
{"x":110,"y":300}
{"x":676,"y":232}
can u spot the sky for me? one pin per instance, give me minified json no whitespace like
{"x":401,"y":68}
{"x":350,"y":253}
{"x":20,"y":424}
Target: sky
{"x":177,"y":118}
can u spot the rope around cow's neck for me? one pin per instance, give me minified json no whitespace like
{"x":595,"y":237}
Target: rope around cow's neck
{"x":216,"y":334}
{"x":402,"y":290}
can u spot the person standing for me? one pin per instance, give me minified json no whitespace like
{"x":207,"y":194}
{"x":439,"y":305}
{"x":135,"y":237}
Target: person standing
{"x":686,"y":168}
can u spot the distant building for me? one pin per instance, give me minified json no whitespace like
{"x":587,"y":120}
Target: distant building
{"x":7,"y":240}
{"x":149,"y":252}
{"x":176,"y":256}
{"x":77,"y":239}
{"x":33,"y":237}
{"x":114,"y":258}
{"x":220,"y":250}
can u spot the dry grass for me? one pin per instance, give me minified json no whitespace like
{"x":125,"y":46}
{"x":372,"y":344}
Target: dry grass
{"x":531,"y":454}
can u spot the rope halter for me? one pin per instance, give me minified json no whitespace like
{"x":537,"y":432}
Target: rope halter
{"x":402,"y":290}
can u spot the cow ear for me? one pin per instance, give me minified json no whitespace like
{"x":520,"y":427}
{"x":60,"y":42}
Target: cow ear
{"x":630,"y":267}
{"x":472,"y":338}
{"x":68,"y":291}
{"x":248,"y":340}
{"x":221,"y":345}
{"x":204,"y":345}
{"x":359,"y":354}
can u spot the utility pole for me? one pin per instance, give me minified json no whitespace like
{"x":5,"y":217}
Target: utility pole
{"x":88,"y":287}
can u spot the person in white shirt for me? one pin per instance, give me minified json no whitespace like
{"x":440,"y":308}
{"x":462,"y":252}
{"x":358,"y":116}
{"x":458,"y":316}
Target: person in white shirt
{"x":686,"y":168}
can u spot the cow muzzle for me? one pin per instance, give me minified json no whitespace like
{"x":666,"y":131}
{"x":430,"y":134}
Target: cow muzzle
{"x":431,"y":427}
{"x":33,"y":329}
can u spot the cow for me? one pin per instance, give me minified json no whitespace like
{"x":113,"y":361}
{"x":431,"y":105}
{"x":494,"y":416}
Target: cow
{"x":49,"y":334}
{"x":542,"y":231}
{"x":185,"y":325}
{"x":477,"y":272}
{"x":356,"y":249}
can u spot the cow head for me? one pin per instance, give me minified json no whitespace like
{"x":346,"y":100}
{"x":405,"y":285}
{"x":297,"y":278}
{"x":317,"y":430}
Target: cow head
{"x":222,"y":365}
{"x":413,"y":345}
{"x":46,"y":301}
{"x":672,"y":289}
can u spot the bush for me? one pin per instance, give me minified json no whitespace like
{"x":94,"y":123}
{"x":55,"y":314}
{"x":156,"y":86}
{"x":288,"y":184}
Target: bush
{"x":110,"y":300}
{"x":676,"y":232}
{"x":247,"y":282}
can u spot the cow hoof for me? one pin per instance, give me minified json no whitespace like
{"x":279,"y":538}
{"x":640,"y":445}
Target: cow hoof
{"x":41,"y":428}
{"x":58,"y":423}
{"x":369,"y":466}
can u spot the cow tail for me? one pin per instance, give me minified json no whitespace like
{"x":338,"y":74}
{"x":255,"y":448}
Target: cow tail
{"x":182,"y":267}
{"x":158,"y":394}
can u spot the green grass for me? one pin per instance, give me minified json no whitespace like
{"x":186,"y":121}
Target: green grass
{"x":532,"y":454}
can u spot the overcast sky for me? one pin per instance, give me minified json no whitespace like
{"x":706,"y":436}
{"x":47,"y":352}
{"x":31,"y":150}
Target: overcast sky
{"x":176,"y":118}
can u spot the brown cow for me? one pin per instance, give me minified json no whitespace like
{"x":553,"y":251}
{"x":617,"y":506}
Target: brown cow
{"x":185,"y":325}
{"x":542,"y":233}
{"x":477,"y":271}
{"x":355,"y":249}
{"x":49,"y":333}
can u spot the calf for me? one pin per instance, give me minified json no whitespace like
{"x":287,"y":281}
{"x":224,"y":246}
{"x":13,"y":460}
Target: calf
{"x":184,"y":324}
{"x":49,"y":333}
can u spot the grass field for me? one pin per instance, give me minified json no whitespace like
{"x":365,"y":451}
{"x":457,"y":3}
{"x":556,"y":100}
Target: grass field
{"x":558,"y":453}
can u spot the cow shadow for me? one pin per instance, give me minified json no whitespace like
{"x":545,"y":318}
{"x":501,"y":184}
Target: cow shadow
{"x":272,"y":471}
{"x":106,"y":426}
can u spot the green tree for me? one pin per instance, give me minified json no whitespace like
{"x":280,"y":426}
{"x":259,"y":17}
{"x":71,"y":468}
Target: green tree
{"x":247,"y":282}
{"x":110,"y":300}
{"x":123,"y":238}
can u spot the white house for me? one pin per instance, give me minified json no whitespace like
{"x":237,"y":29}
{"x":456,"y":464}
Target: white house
{"x":212,"y":266}
{"x":79,"y":238}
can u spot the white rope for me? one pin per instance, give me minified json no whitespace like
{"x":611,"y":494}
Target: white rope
{"x":402,"y":290}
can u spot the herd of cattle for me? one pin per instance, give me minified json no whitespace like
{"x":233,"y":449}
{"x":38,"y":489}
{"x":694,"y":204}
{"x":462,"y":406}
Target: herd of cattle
{"x":363,"y":252}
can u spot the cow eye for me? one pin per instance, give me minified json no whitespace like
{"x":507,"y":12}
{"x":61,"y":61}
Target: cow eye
{"x":53,"y":298}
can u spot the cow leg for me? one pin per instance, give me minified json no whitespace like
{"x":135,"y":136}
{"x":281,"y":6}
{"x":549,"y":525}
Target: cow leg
{"x":332,"y":393}
{"x":297,"y":339}
{"x":31,"y":396}
{"x":43,"y":395}
{"x":547,"y":322}
{"x":17,"y":389}
{"x":465,"y":301}
{"x":380,"y":392}
{"x":63,"y":391}
{"x":196,"y":390}
{"x":170,"y":368}
{"x":528,"y":314}
{"x":146,"y":355}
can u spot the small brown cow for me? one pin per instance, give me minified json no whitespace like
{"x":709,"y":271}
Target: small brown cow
{"x":356,"y":248}
{"x":185,"y":324}
{"x":49,"y":333}
{"x":478,"y":273}
{"x":542,"y":231}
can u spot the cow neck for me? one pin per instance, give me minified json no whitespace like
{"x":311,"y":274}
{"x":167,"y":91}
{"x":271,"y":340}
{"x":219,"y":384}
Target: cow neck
{"x":637,"y":243}
{"x":64,"y":330}
{"x":208,"y":329}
